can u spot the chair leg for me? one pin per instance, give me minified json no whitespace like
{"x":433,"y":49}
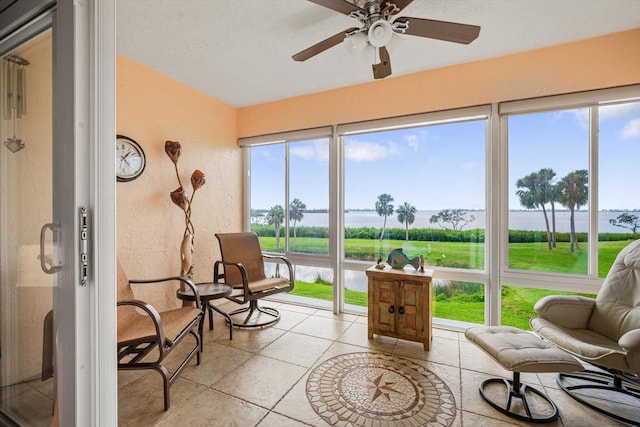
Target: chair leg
{"x":606,"y":381}
{"x":47,"y":347}
{"x":252,"y":308}
{"x":166,"y":384}
{"x":210,"y":310}
{"x":226,"y":315}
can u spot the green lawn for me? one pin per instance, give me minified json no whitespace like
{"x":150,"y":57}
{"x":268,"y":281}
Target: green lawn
{"x":517,"y":303}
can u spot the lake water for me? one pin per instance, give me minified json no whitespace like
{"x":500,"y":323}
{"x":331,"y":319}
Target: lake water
{"x":518,"y":220}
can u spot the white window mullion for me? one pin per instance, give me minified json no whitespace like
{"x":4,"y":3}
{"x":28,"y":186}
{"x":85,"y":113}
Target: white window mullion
{"x":336,"y":223}
{"x":495,"y":193}
{"x":593,"y":191}
{"x":286,"y":197}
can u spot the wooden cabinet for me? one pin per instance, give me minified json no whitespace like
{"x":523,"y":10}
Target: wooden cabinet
{"x":400,"y":304}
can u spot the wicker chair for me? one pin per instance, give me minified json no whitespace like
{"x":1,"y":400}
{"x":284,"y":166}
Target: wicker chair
{"x":242,"y":267}
{"x":147,"y":336}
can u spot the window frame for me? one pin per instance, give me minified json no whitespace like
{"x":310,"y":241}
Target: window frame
{"x":590,"y":282}
{"x":496,"y":271}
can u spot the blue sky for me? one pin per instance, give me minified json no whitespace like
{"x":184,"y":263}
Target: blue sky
{"x":442,"y":166}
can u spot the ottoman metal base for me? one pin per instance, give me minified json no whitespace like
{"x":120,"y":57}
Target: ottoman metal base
{"x":515,"y":389}
{"x":519,"y":351}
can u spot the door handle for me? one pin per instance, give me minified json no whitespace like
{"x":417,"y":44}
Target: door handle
{"x":54,"y":268}
{"x":392,"y":309}
{"x":401,"y":309}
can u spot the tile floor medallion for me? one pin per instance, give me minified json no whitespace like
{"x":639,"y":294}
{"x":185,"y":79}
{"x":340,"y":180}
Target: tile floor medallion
{"x":357,"y":388}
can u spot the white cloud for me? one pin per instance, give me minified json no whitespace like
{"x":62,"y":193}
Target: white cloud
{"x":361,"y":151}
{"x":631,"y":129}
{"x":629,"y":110}
{"x":412,"y":141}
{"x":581,"y":116}
{"x":317,"y":150}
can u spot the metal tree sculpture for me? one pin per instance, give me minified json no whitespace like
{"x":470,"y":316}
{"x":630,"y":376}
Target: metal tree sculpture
{"x":181,"y":198}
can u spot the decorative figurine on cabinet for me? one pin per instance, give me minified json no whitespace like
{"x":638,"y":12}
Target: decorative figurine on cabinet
{"x":379,"y":265}
{"x":397,"y":259}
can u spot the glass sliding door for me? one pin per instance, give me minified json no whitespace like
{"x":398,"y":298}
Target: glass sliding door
{"x":57,"y":331}
{"x":26,"y":292}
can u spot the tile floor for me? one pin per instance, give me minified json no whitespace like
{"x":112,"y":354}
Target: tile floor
{"x":259,"y":377}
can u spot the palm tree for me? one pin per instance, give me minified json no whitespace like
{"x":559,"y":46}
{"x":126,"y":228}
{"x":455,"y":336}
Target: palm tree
{"x":548,"y":195}
{"x":573,"y":193}
{"x":384,"y":209}
{"x":296,"y":212}
{"x":406,"y":215}
{"x":533,"y":195}
{"x":275,"y":217}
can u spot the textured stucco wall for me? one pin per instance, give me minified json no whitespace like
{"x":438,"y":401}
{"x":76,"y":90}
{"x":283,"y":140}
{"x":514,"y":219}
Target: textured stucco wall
{"x":153,"y":108}
{"x":601,"y":62}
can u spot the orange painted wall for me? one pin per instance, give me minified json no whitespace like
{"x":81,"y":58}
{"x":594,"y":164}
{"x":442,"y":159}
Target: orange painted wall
{"x":152,"y":108}
{"x":601,"y":62}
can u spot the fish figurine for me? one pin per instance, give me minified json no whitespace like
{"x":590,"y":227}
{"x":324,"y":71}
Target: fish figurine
{"x":397,"y":259}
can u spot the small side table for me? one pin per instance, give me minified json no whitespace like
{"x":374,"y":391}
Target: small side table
{"x":209,"y":291}
{"x":400,"y":304}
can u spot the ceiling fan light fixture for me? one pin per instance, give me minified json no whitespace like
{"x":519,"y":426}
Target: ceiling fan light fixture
{"x":356,"y":43}
{"x":380,"y":33}
{"x":395,"y":43}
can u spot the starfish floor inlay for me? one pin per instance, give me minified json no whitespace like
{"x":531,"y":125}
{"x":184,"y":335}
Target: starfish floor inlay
{"x":376,"y":390}
{"x":361,"y":388}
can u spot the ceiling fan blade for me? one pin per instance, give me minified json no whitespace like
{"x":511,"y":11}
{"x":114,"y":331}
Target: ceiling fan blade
{"x":399,"y":4}
{"x":441,"y":30}
{"x":383,"y":69}
{"x":322,"y":46}
{"x":341,"y":6}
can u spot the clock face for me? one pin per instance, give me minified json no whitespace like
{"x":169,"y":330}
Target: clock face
{"x":130,"y":159}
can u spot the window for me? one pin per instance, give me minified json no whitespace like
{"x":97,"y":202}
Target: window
{"x":421,"y":189}
{"x":548,"y":191}
{"x":309,"y":196}
{"x":517,"y":304}
{"x":523,"y":197}
{"x":268,"y":196}
{"x":417,"y":186}
{"x":289,"y":207}
{"x":619,"y":200}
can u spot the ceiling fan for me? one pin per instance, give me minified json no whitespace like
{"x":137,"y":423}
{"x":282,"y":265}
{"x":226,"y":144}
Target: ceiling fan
{"x":380,"y":24}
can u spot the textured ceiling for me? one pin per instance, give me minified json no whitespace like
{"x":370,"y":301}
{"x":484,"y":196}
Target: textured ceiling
{"x":239,"y":51}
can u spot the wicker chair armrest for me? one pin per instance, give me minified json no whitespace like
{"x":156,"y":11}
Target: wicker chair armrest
{"x":151,"y":312}
{"x":184,"y":280}
{"x":631,"y":341}
{"x":285,"y":260}
{"x":568,"y":311}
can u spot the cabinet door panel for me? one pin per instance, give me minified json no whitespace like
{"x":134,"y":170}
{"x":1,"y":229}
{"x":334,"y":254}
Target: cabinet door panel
{"x":384,"y":297}
{"x":410,"y":323}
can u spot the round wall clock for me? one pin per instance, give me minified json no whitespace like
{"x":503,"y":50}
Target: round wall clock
{"x":130,"y":159}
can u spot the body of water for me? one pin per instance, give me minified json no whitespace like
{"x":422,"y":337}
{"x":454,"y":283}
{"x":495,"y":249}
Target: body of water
{"x":518,"y":220}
